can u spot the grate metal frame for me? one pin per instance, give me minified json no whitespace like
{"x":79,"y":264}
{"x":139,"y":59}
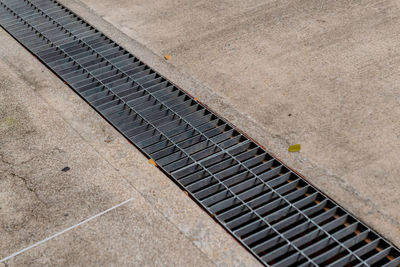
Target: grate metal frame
{"x":272,"y":211}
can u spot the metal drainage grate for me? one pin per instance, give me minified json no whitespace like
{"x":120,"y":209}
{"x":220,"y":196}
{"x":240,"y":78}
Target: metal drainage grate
{"x":273,"y":212}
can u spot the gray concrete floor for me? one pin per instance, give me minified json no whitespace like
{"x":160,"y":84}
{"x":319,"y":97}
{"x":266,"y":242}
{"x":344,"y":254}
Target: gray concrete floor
{"x":45,"y":127}
{"x":324,"y":74}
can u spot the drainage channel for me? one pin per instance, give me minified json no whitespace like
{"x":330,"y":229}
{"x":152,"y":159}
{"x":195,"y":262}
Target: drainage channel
{"x":273,"y":212}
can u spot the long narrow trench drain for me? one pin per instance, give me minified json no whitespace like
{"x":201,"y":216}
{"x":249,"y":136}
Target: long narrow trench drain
{"x":276,"y":214}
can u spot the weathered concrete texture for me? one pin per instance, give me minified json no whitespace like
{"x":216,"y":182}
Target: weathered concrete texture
{"x":44,"y":127}
{"x":133,"y":234}
{"x":38,"y":199}
{"x":324,"y":74}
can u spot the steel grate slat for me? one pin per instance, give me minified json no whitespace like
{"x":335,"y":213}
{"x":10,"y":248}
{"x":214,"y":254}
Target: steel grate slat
{"x":273,"y":212}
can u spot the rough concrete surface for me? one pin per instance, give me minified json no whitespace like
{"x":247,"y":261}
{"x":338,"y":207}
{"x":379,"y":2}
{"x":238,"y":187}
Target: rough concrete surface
{"x":324,"y":74}
{"x":45,"y":127}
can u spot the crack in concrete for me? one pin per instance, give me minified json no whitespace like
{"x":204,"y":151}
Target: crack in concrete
{"x":54,"y":149}
{"x":28,"y":186}
{"x":22,"y":178}
{"x":5,"y":161}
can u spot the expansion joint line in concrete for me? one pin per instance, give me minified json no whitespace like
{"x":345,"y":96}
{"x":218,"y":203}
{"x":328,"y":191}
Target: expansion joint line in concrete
{"x":65,"y":230}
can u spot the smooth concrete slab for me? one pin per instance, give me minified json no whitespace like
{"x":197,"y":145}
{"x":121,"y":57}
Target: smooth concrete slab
{"x":105,"y":169}
{"x":320,"y":73}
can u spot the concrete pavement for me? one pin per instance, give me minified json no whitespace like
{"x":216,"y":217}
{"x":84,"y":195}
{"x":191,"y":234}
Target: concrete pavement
{"x":320,"y":73}
{"x":61,"y":164}
{"x":324,"y":74}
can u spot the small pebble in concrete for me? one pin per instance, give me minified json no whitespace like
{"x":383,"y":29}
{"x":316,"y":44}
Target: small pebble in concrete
{"x":108,"y":139}
{"x":65,"y":169}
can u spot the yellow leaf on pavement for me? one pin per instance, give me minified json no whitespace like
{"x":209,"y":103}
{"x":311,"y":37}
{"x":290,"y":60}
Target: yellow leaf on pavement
{"x":294,"y":148}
